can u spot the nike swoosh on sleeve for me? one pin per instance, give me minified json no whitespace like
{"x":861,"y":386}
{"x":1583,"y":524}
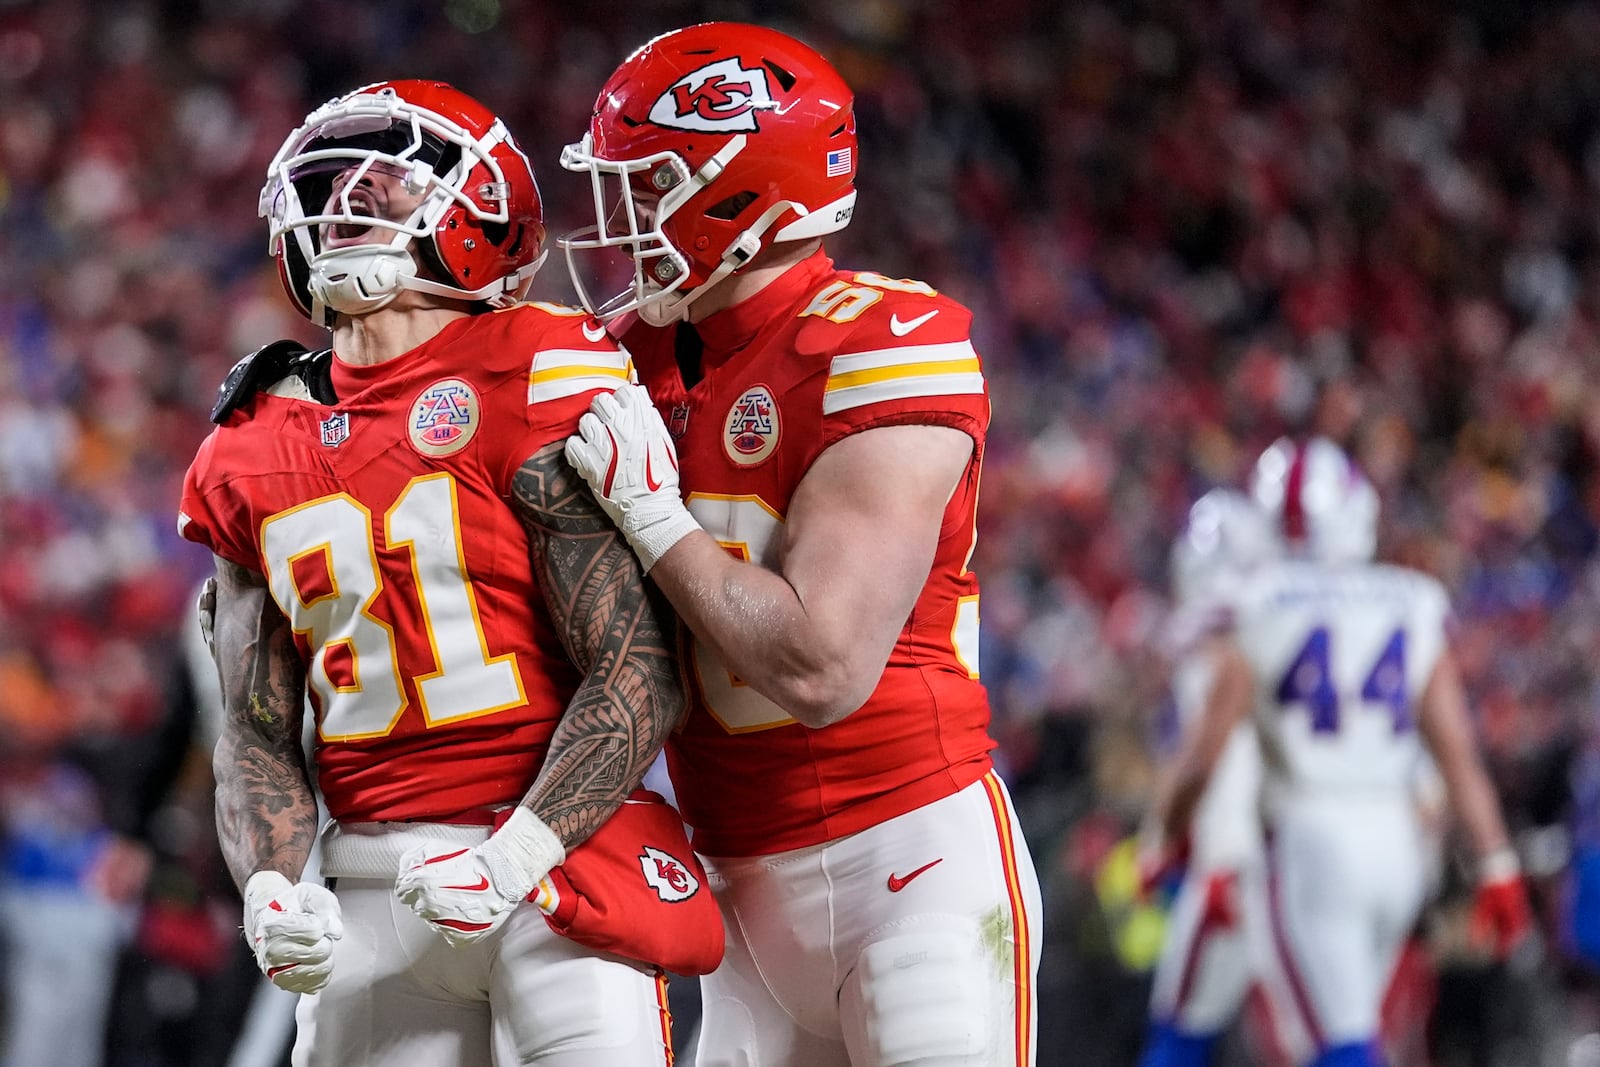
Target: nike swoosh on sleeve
{"x":900,"y":328}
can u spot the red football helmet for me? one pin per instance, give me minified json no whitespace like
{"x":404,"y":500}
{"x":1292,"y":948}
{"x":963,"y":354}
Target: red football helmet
{"x":723,"y":139}
{"x":478,"y":230}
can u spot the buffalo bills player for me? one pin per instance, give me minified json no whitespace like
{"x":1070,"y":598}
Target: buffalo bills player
{"x":1346,"y":666}
{"x":879,"y":899}
{"x":489,"y":682}
{"x":1204,"y":972}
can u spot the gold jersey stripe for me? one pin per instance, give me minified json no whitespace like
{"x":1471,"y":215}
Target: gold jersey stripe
{"x":902,"y":356}
{"x":901,"y":388}
{"x":902,"y":370}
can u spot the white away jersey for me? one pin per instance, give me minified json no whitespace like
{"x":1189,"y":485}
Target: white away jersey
{"x":1341,"y":655}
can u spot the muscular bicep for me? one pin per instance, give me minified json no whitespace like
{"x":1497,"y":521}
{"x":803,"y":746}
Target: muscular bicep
{"x":617,"y":634}
{"x":263,"y":679}
{"x":266,"y":812}
{"x":863,"y":527}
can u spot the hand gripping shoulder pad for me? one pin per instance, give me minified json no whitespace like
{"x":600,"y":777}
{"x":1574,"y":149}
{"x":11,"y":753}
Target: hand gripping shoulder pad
{"x":267,"y":367}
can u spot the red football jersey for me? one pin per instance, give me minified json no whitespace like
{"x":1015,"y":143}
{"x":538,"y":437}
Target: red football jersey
{"x":382,"y":526}
{"x":815,"y":357}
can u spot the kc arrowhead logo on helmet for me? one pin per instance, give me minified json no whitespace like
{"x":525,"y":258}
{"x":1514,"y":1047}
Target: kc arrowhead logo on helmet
{"x":721,"y":97}
{"x":707,"y":146}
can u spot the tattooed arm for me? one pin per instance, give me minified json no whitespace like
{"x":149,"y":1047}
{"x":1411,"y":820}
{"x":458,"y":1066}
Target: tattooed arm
{"x":617,"y":635}
{"x":628,"y":702}
{"x":266,"y":813}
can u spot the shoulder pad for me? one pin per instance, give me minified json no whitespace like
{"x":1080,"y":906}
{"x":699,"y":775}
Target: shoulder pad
{"x":270,"y":364}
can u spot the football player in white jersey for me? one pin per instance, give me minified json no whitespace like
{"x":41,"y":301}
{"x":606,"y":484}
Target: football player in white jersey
{"x":1204,"y":974}
{"x":1346,"y":666}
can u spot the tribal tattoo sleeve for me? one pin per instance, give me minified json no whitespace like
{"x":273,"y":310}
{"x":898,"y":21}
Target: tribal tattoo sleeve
{"x":266,"y":812}
{"x":616,"y":630}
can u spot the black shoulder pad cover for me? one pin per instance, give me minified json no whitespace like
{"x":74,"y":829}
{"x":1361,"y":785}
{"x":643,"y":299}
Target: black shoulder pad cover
{"x":270,"y":364}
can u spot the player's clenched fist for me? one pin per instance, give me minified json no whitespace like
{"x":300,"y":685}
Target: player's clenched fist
{"x":291,"y":926}
{"x":623,"y":450}
{"x":467,"y":893}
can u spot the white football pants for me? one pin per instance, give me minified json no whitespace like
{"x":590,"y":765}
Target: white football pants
{"x":914,"y":942}
{"x":1345,"y":883}
{"x":400,"y":996}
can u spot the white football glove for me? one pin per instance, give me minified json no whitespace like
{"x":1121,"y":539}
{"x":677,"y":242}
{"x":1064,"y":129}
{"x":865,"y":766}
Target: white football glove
{"x":467,"y":893}
{"x":291,"y":926}
{"x":623,"y":450}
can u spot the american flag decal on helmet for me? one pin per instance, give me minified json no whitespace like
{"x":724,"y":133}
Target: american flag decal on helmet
{"x":839,"y":162}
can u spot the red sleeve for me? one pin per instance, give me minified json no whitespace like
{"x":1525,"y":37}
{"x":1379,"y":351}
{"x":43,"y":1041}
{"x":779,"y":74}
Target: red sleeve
{"x":909,"y":360}
{"x":211,"y":512}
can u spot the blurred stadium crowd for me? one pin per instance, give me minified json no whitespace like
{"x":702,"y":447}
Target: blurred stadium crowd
{"x":1184,"y":226}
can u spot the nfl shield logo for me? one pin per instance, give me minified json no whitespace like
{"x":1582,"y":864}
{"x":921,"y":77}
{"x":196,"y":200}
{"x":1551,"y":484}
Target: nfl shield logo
{"x":678,"y":423}
{"x":335,"y":428}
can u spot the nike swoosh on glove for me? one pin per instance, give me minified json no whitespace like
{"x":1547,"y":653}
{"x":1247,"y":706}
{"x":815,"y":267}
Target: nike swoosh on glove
{"x":291,"y":927}
{"x":623,"y":450}
{"x":466,"y":894}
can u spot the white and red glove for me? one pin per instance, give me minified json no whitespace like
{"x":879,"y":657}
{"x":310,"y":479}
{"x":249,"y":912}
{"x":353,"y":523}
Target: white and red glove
{"x":1500,"y":912}
{"x":291,"y":926}
{"x":623,"y":450}
{"x":467,"y":893}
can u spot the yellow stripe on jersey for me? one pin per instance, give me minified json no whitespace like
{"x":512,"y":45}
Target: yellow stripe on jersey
{"x":564,"y":310}
{"x":559,"y":372}
{"x":859,"y":378}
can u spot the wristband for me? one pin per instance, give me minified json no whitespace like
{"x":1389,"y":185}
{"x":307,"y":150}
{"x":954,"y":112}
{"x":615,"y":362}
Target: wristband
{"x":653,"y":541}
{"x":520,"y":853}
{"x":1501,"y":865}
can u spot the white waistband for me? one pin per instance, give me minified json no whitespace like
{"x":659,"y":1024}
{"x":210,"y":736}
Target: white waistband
{"x":373,"y":849}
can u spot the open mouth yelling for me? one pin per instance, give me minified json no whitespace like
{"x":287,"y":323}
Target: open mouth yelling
{"x":361,"y":204}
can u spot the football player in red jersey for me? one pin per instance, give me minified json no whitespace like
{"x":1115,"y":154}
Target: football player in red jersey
{"x":879,"y":900}
{"x":490,"y":682}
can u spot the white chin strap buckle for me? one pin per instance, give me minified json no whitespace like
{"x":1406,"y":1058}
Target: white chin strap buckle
{"x":360,"y":278}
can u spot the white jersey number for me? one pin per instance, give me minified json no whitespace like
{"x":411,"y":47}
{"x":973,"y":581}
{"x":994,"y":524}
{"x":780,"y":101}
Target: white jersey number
{"x":322,"y":568}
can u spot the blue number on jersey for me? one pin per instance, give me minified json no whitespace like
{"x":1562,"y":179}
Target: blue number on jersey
{"x":1387,"y":682}
{"x":1309,"y":681}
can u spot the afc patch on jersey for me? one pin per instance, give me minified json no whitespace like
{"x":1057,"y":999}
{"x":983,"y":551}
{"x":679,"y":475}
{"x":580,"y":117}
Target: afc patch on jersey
{"x":751,"y":433}
{"x":444,"y":418}
{"x":667,"y":875}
